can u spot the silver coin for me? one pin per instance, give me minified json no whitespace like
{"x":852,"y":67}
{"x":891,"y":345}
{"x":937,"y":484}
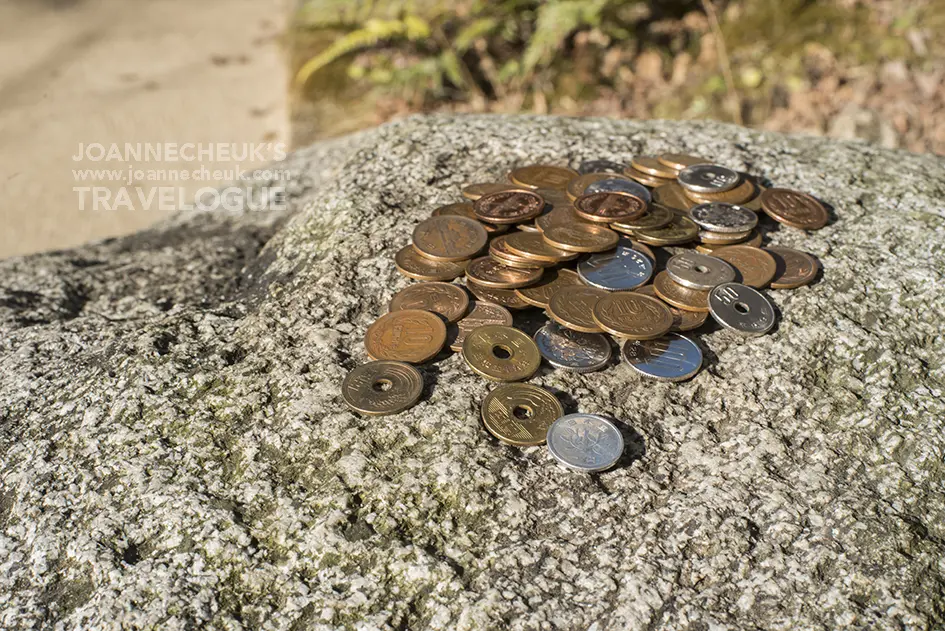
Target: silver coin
{"x":708,"y":178}
{"x":600,"y":166}
{"x":585,"y":442}
{"x":573,"y":350}
{"x":741,"y":308}
{"x":673,"y":357}
{"x":699,"y":271}
{"x":616,"y":185}
{"x":619,"y":269}
{"x":722,"y":217}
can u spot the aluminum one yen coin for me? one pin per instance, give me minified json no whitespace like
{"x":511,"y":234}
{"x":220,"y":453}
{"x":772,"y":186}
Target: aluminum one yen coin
{"x":722,"y":217}
{"x":672,"y":357}
{"x":708,"y":178}
{"x":618,"y":270}
{"x":699,"y":271}
{"x":585,"y":442}
{"x":573,"y":350}
{"x":741,"y":309}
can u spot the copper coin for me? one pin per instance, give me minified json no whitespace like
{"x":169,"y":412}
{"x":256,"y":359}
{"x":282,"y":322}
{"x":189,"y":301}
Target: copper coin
{"x":480,"y":314}
{"x":739,"y":195}
{"x":679,"y":161}
{"x":632,"y":315}
{"x":679,"y":296}
{"x":475,"y":191}
{"x":682,"y":320}
{"x":539,"y":294}
{"x":755,"y":267}
{"x":532,"y":246}
{"x":411,"y":264}
{"x":609,"y":207}
{"x":465,"y":209}
{"x":656,"y":216}
{"x":672,"y":195}
{"x":645,"y":178}
{"x":519,"y":414}
{"x":794,"y":208}
{"x":507,"y":207}
{"x":445,"y":299}
{"x":527,"y":227}
{"x":500,"y":251}
{"x":794,"y":268}
{"x":449,"y":238}
{"x":543,"y":176}
{"x":558,"y":216}
{"x":411,"y":336}
{"x":652,"y":166}
{"x":573,"y":307}
{"x":581,"y":237}
{"x":382,"y":387}
{"x":504,"y":297}
{"x":501,"y":353}
{"x":681,"y":230}
{"x":724,"y":238}
{"x":553,"y":196}
{"x":488,"y":272}
{"x":577,"y":185}
{"x":754,"y":240}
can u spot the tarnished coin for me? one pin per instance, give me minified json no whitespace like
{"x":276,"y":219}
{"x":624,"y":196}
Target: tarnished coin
{"x":652,"y":166}
{"x":581,"y":237}
{"x":742,"y":193}
{"x":794,"y":208}
{"x":708,"y":178}
{"x":480,"y":314}
{"x":539,"y":294}
{"x":679,"y":296}
{"x":507,"y":207}
{"x":673,"y":196}
{"x":741,"y":309}
{"x":543,"y":176}
{"x":382,"y":387}
{"x":753,"y":239}
{"x":609,"y":207}
{"x":681,"y":230}
{"x":620,"y":185}
{"x":505,"y":297}
{"x":501,"y":353}
{"x":656,"y":216}
{"x":411,"y":264}
{"x":585,"y":442}
{"x":794,"y":268}
{"x":632,"y":315}
{"x":532,"y":246}
{"x":645,"y":178}
{"x":499,"y":250}
{"x":449,"y":238}
{"x":672,"y":357}
{"x":699,"y":271}
{"x":719,"y":217}
{"x":600,"y":166}
{"x":619,"y":270}
{"x":577,"y":186}
{"x":756,"y":268}
{"x":465,"y":209}
{"x":572,"y":350}
{"x":520,"y":414}
{"x":573,"y":307}
{"x":723,"y":238}
{"x":475,"y":191}
{"x":445,"y":299}
{"x":488,"y":272}
{"x":411,"y":336}
{"x":682,"y":320}
{"x":679,"y":161}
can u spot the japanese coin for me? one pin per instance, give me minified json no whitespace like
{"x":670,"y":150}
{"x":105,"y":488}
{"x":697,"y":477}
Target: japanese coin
{"x":411,"y":336}
{"x":756,"y":268}
{"x":541,"y":292}
{"x":672,"y":195}
{"x":794,"y":208}
{"x":543,"y":176}
{"x":679,"y":161}
{"x":645,"y":178}
{"x":559,"y":215}
{"x":679,"y":296}
{"x":507,"y":207}
{"x":620,"y":185}
{"x":623,"y":268}
{"x":741,"y":309}
{"x":652,"y":166}
{"x":720,"y":217}
{"x":708,"y":178}
{"x":488,"y":272}
{"x":505,"y":297}
{"x":600,"y":166}
{"x":581,"y":237}
{"x":573,"y":307}
{"x":585,"y":442}
{"x":632,"y":315}
{"x":572,"y":350}
{"x":673,"y":357}
{"x":754,"y":240}
{"x":682,"y":320}
{"x":445,"y":299}
{"x":382,"y":387}
{"x":411,"y":264}
{"x":699,"y":271}
{"x":533,"y":247}
{"x":499,"y":250}
{"x":449,"y":238}
{"x":465,"y":209}
{"x":642,"y":249}
{"x":520,"y":414}
{"x":794,"y":268}
{"x":475,"y":191}
{"x":739,"y":195}
{"x":480,"y":314}
{"x":608,"y":207}
{"x":656,"y":216}
{"x":681,"y":230}
{"x":501,"y":353}
{"x":723,"y":238}
{"x":577,"y":186}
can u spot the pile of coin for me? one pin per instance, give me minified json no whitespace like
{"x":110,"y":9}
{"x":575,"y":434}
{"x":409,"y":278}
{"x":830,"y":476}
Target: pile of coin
{"x":579,"y":244}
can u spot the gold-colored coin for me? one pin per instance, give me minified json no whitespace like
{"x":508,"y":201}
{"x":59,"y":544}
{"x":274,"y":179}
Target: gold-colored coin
{"x":656,"y":216}
{"x":501,"y":353}
{"x":632,"y":315}
{"x":678,"y":296}
{"x":577,"y":185}
{"x":673,"y":196}
{"x":445,"y":299}
{"x":793,"y":208}
{"x":527,"y":227}
{"x":609,"y":207}
{"x":543,"y":176}
{"x":724,"y":238}
{"x":681,"y":230}
{"x":645,"y":178}
{"x":411,"y":264}
{"x":794,"y":268}
{"x":480,"y":314}
{"x":411,"y":336}
{"x":682,"y":320}
{"x":554,"y":197}
{"x":532,"y":246}
{"x":488,"y":272}
{"x":581,"y":237}
{"x":465,"y":209}
{"x":754,"y":240}
{"x":520,"y":414}
{"x":539,"y":294}
{"x":382,"y":387}
{"x":449,"y":238}
{"x":652,"y":166}
{"x":742,"y":193}
{"x":572,"y":306}
{"x":755,"y":267}
{"x":504,"y":297}
{"x":500,"y":251}
{"x":475,"y":191}
{"x":507,"y":207}
{"x":679,"y":161}
{"x":755,"y":203}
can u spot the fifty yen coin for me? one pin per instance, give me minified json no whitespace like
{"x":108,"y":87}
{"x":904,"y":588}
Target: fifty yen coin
{"x":741,"y":309}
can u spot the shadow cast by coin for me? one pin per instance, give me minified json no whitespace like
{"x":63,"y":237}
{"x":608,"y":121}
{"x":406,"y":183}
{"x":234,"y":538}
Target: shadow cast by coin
{"x":431,"y":377}
{"x":634,"y":445}
{"x":709,"y":358}
{"x":529,"y":320}
{"x":564,"y":397}
{"x":832,"y":216}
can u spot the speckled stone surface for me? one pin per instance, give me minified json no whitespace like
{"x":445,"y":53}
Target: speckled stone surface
{"x":175,"y":453}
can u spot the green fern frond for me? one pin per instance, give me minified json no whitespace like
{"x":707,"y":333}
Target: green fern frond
{"x":450,"y":65}
{"x":556,"y":21}
{"x":477,"y":29}
{"x":374,"y":32}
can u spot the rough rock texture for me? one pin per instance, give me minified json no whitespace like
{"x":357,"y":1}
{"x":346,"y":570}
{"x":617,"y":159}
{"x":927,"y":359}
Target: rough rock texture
{"x":175,"y":453}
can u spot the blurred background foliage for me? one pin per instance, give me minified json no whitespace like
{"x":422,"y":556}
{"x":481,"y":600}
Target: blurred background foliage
{"x":848,"y":68}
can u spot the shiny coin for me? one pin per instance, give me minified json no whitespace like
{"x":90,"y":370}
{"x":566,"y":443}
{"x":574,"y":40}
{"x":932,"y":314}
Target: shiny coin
{"x":507,"y":207}
{"x":539,"y":294}
{"x":753,"y":239}
{"x":681,"y":230}
{"x":632,"y":315}
{"x":672,"y":357}
{"x":719,"y":217}
{"x":794,"y":208}
{"x":708,"y":178}
{"x":645,"y":178}
{"x":505,"y":297}
{"x":581,"y":237}
{"x":642,"y":249}
{"x":480,"y":314}
{"x":445,"y":299}
{"x":559,"y":215}
{"x":723,"y":238}
{"x":465,"y":209}
{"x":656,"y":216}
{"x":532,"y":246}
{"x":577,"y":186}
{"x":449,"y":238}
{"x":499,"y":250}
{"x":622,"y":269}
{"x":475,"y":191}
{"x":600,"y":166}
{"x":488,"y":272}
{"x":585,"y":442}
{"x":573,"y":307}
{"x":527,"y":227}
{"x":673,"y":196}
{"x":699,"y":271}
{"x":755,"y":267}
{"x":501,"y":353}
{"x":411,"y":264}
{"x":382,"y":387}
{"x":741,"y":309}
{"x":794,"y":268}
{"x":679,"y":296}
{"x":608,"y":207}
{"x":652,"y":166}
{"x":742,"y":193}
{"x":620,"y":185}
{"x":682,"y":320}
{"x":679,"y":161}
{"x":520,"y":414}
{"x":543,"y":176}
{"x":572,"y":350}
{"x":411,"y":336}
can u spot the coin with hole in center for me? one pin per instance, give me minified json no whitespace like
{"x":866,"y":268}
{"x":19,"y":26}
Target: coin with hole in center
{"x":721,"y":217}
{"x":632,"y":315}
{"x":411,"y":264}
{"x":543,"y":176}
{"x":507,"y":207}
{"x":411,"y":336}
{"x":755,"y":267}
{"x":539,"y":294}
{"x":741,"y":309}
{"x":519,"y":414}
{"x":708,"y":178}
{"x":572,"y":350}
{"x":793,"y":208}
{"x":587,"y":443}
{"x":794,"y":268}
{"x":699,"y":271}
{"x":573,"y":307}
{"x":618,"y":270}
{"x":446,"y":299}
{"x":480,"y":314}
{"x":620,"y":185}
{"x":449,"y":238}
{"x":382,"y":387}
{"x":672,"y":357}
{"x":609,"y":207}
{"x":501,"y":353}
{"x":581,"y":237}
{"x":488,"y":272}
